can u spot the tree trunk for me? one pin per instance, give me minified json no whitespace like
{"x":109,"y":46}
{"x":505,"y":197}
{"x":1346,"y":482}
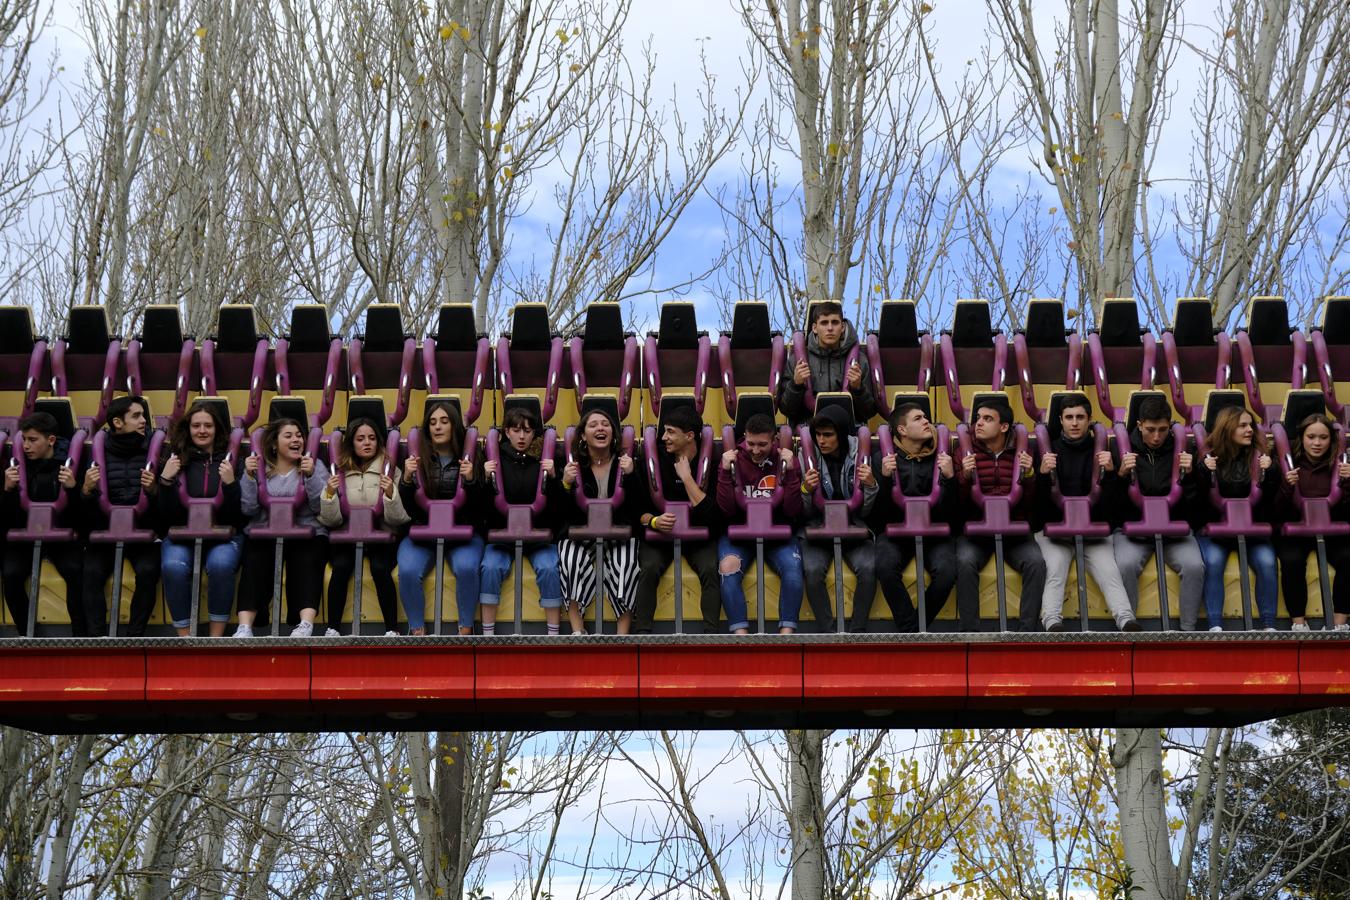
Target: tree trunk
{"x":806,"y":756}
{"x":1137,"y":757}
{"x":65,"y":823}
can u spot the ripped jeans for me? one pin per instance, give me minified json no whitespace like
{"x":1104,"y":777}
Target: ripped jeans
{"x":784,"y":557}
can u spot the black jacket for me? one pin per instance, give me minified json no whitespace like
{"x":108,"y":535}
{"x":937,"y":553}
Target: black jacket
{"x":519,"y":474}
{"x":121,"y":480}
{"x":1076,"y":471}
{"x":1234,"y":480}
{"x":704,"y":514}
{"x":446,"y":483}
{"x":201,"y":475}
{"x":636,"y":497}
{"x":915,"y":475}
{"x":44,"y":486}
{"x":1153,"y":474}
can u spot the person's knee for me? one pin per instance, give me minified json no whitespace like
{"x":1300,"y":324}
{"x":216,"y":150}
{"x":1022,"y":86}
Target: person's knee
{"x":730,"y":565}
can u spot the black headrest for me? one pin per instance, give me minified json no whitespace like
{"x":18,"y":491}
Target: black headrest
{"x":88,"y":330}
{"x":1298,"y":405}
{"x":971,"y":324}
{"x":989,"y":398}
{"x":367,"y":407}
{"x":748,"y":405}
{"x":918,"y":398}
{"x":608,"y":402}
{"x":679,"y":326}
{"x":456,"y":328}
{"x":288,"y":408}
{"x":524,"y":401}
{"x":16,"y":330}
{"x":604,"y":327}
{"x":1217,"y":400}
{"x":529,"y":327}
{"x":61,"y":410}
{"x":1268,"y":321}
{"x":1118,"y":324}
{"x":162,"y":330}
{"x":237,"y":328}
{"x":1045,"y":323}
{"x":1057,"y":401}
{"x":669,"y":402}
{"x":1336,"y":320}
{"x":750,"y":329}
{"x":220,"y":404}
{"x":452,"y":399}
{"x":384,"y":328}
{"x":841,"y":399}
{"x":898,"y":325}
{"x":1193,"y":325}
{"x":1137,"y":398}
{"x":310,"y":331}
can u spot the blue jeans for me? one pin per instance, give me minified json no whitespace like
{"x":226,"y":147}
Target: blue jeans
{"x":415,"y":559}
{"x":1260,"y":557}
{"x":785,"y":558}
{"x":497,"y":561}
{"x":220,"y":559}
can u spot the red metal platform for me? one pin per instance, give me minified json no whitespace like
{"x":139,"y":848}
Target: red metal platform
{"x":193,"y":685}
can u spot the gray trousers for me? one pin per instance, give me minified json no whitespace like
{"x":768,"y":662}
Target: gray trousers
{"x":1100,"y":562}
{"x":1182,"y":555}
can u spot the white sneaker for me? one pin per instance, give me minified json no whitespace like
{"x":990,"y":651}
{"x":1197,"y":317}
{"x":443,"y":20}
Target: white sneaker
{"x":243,"y":631}
{"x":1217,"y":628}
{"x":1267,"y":629}
{"x":303,"y":630}
{"x":392,"y":634}
{"x":1300,"y":626}
{"x":332,"y":632}
{"x":1342,"y":627}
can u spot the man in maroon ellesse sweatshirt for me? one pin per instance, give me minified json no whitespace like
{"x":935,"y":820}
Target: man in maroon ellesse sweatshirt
{"x":755,"y":469}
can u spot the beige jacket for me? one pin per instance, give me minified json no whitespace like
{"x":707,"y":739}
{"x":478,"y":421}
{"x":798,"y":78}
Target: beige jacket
{"x":363,"y":489}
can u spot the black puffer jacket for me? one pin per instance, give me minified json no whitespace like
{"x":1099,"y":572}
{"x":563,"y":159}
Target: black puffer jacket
{"x":1076,"y":471}
{"x":1153,"y":474}
{"x":126,"y":455}
{"x":445,"y":482}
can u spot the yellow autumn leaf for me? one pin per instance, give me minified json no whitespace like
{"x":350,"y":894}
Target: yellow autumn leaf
{"x":200,"y":32}
{"x":447,"y":32}
{"x":561,"y":35}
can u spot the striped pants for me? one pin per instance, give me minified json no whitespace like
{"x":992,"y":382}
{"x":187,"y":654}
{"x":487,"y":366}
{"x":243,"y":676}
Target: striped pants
{"x":576,"y":567}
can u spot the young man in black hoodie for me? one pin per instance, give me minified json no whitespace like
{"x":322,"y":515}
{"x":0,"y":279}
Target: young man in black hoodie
{"x":917,"y":460}
{"x":1149,"y":463}
{"x":48,"y":475}
{"x":126,"y":450}
{"x":519,"y":475}
{"x":826,"y":367}
{"x":1071,"y":458}
{"x":835,"y":459}
{"x":677,"y":457}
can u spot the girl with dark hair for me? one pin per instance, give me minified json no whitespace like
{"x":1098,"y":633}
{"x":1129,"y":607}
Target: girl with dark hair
{"x":365,"y":470}
{"x":1314,"y":468}
{"x":598,"y":468}
{"x":288,"y":470}
{"x":1234,"y":439}
{"x":518,"y":477}
{"x":443,"y":468}
{"x":197,"y":458}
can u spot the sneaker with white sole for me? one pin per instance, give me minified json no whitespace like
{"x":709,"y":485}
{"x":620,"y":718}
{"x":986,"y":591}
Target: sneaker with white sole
{"x":1345,"y":626}
{"x":332,"y":632}
{"x":243,"y":631}
{"x":1300,"y":626}
{"x":1054,"y":625}
{"x":1216,"y":628}
{"x":303,"y":630}
{"x":1267,"y":629}
{"x":392,"y":634}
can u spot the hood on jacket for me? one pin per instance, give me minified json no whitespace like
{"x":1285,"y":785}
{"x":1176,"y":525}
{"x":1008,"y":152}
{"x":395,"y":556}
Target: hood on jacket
{"x":843,"y":426}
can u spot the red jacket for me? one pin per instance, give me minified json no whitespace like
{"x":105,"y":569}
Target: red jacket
{"x":997,"y":474}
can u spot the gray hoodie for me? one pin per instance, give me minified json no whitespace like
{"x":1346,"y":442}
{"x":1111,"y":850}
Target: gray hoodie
{"x":829,"y":368}
{"x":285,"y":486}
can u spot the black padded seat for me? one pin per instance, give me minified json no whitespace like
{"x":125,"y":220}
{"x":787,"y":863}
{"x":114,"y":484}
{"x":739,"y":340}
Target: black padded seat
{"x":87,"y":331}
{"x":972,"y":324}
{"x":750,"y":328}
{"x":603,"y":328}
{"x":451,"y":399}
{"x":60,"y":409}
{"x":1300,"y":404}
{"x":1217,"y":400}
{"x":162,"y":330}
{"x":384,"y":329}
{"x":1044,"y":325}
{"x":1138,"y":397}
{"x":837,"y":398}
{"x":523,"y":401}
{"x":456,"y":327}
{"x":1268,"y":322}
{"x":752,"y":404}
{"x":366,"y":407}
{"x":678,"y":329}
{"x":1118,"y":325}
{"x":1336,"y":320}
{"x":237,"y":328}
{"x":16,"y":330}
{"x":898,"y":324}
{"x":608,"y":403}
{"x":530,"y":328}
{"x":288,"y":408}
{"x":1193,"y":323}
{"x":921,"y":400}
{"x":310,"y":329}
{"x":219,"y":404}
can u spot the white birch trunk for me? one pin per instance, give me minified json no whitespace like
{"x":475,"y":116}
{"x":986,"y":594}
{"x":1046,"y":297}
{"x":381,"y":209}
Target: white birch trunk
{"x":806,"y":769}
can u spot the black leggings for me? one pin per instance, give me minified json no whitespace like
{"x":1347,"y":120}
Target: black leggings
{"x":342,"y":557}
{"x":1293,"y":553}
{"x":303,"y":559}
